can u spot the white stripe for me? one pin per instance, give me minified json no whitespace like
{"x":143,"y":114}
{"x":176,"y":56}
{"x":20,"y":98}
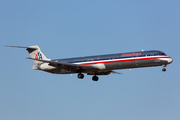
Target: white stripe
{"x":122,"y":59}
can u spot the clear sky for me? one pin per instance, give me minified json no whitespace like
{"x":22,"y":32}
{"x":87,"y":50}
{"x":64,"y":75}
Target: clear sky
{"x":73,"y":28}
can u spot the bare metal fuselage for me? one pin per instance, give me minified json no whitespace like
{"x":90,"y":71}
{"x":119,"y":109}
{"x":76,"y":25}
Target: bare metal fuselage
{"x":105,"y":63}
{"x":96,"y":65}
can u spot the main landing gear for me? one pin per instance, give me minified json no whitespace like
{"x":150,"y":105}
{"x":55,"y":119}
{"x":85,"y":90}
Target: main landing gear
{"x":95,"y":78}
{"x":81,"y":76}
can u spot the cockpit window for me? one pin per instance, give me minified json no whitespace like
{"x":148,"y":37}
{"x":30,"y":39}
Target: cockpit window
{"x":161,"y":53}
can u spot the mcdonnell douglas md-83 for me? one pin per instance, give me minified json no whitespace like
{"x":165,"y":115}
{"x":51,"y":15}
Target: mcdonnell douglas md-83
{"x":96,"y":65}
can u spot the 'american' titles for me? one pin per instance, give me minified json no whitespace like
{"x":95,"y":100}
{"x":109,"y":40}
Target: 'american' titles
{"x":131,"y":54}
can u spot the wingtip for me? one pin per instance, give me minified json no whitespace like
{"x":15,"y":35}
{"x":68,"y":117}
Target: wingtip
{"x":115,"y":72}
{"x":29,"y":58}
{"x":7,"y":46}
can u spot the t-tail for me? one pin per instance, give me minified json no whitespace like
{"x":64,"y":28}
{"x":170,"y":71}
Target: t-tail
{"x":35,"y":52}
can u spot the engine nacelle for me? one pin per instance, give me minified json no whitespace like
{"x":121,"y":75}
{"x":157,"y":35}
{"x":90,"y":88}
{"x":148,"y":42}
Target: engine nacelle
{"x":46,"y":66}
{"x":100,"y":66}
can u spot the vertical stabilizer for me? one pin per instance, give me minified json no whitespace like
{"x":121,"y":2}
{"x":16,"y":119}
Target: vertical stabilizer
{"x":35,"y":52}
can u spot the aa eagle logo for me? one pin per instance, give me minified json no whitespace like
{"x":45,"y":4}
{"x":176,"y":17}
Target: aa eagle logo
{"x":38,"y":56}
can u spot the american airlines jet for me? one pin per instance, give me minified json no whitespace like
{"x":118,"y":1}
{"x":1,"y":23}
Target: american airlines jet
{"x":97,"y":65}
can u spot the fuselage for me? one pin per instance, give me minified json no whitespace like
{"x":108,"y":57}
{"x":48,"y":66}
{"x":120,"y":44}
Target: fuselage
{"x":121,"y":60}
{"x":96,"y":65}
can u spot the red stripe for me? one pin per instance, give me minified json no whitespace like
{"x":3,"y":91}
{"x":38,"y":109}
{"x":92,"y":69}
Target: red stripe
{"x":125,"y":60}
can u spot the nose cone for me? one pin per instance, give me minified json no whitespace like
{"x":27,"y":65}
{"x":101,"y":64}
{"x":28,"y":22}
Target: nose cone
{"x":170,"y":60}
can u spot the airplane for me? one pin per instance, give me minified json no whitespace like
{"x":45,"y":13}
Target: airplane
{"x":96,"y":65}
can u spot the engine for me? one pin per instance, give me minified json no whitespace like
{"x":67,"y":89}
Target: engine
{"x":46,"y":66}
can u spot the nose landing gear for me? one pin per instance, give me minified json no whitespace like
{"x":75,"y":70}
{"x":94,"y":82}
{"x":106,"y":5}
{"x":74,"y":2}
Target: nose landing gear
{"x":164,"y":69}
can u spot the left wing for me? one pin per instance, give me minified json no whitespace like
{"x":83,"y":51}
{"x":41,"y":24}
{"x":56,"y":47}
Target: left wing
{"x":60,"y":64}
{"x":91,"y":70}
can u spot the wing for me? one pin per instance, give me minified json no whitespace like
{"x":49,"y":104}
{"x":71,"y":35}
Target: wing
{"x":115,"y":72}
{"x":67,"y":65}
{"x":90,"y":70}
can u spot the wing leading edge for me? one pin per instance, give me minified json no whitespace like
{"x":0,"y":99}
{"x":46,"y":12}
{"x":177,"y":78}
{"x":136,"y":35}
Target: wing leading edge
{"x":84,"y":68}
{"x":55,"y":63}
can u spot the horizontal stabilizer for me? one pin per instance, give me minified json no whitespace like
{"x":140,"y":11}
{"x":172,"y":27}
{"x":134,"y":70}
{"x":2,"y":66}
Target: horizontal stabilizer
{"x":34,"y":51}
{"x":32,"y":48}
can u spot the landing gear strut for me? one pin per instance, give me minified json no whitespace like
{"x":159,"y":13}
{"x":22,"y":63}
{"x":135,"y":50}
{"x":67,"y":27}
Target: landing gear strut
{"x":164,"y":69}
{"x":80,"y":76}
{"x":95,"y":78}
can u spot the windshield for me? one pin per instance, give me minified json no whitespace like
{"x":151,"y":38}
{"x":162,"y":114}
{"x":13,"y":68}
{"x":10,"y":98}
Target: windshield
{"x":161,"y":53}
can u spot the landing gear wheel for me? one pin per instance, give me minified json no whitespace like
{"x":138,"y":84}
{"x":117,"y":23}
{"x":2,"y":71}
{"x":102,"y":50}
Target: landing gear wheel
{"x":164,"y":69}
{"x":95,"y":78}
{"x":80,"y":76}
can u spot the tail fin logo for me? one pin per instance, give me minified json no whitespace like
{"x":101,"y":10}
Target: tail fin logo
{"x":38,"y":56}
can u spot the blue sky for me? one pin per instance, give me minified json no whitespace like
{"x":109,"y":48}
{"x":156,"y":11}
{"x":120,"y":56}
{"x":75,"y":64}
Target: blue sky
{"x":68,"y":28}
